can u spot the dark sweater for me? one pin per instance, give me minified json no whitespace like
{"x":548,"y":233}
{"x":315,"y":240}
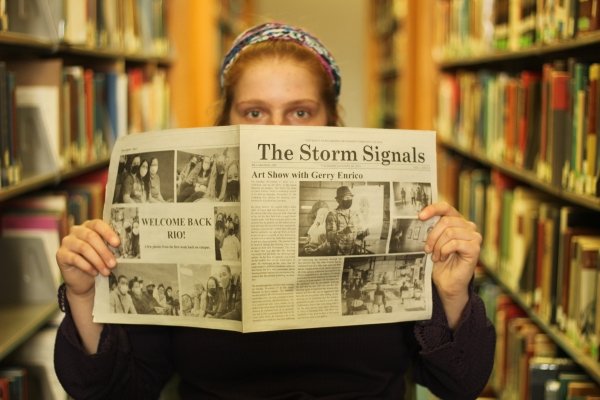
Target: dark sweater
{"x":358,"y":362}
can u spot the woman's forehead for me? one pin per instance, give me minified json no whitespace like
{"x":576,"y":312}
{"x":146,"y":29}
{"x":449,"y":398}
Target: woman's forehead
{"x":276,"y":79}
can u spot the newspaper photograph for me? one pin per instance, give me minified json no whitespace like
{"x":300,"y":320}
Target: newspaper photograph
{"x":258,"y":228}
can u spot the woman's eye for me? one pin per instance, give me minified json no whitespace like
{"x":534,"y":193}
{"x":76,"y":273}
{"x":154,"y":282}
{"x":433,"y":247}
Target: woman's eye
{"x":253,"y":114}
{"x":302,"y":114}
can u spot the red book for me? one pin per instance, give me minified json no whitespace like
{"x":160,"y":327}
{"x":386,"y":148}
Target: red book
{"x":557,"y":130}
{"x":526,"y":114}
{"x":547,"y":71}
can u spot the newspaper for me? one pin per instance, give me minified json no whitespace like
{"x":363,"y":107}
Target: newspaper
{"x":289,"y":227}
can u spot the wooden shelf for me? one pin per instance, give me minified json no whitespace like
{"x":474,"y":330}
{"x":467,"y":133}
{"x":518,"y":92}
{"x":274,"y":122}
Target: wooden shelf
{"x":49,"y":47}
{"x":28,"y":41}
{"x":586,"y":361}
{"x":65,"y":50}
{"x":528,"y":177}
{"x":19,"y":322}
{"x":39,"y":181}
{"x":535,"y":52}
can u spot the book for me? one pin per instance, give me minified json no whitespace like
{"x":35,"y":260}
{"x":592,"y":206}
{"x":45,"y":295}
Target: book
{"x":587,"y":16}
{"x":547,"y":262}
{"x":582,"y":291}
{"x":75,"y":22}
{"x":565,"y":378}
{"x":35,"y":149}
{"x":528,"y":103}
{"x":34,"y":18}
{"x":17,"y":378}
{"x":506,"y":310}
{"x":525,"y":206}
{"x":4,"y":388}
{"x":30,"y":281}
{"x":580,"y":390}
{"x":544,"y":370}
{"x":36,"y":355}
{"x":38,"y":86}
{"x":573,"y":221}
{"x":591,"y":134}
{"x":4,"y":128}
{"x":371,"y":260}
{"x":557,"y":129}
{"x":44,"y":227}
{"x":499,"y":183}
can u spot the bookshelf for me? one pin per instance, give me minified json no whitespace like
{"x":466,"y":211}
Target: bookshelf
{"x":400,"y":67}
{"x":202,"y":32}
{"x":26,"y":57}
{"x":516,"y":120}
{"x":588,"y":363}
{"x":19,"y":322}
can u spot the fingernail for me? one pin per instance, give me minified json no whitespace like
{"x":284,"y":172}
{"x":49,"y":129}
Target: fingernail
{"x":427,"y":249}
{"x":112,"y":262}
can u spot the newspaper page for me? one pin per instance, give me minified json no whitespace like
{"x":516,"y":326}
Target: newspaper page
{"x":332,"y":221}
{"x":327,"y":229}
{"x":171,"y":196}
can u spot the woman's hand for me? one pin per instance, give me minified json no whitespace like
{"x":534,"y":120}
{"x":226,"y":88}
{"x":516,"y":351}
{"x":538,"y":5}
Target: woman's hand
{"x":454,"y":244}
{"x":83,"y":254}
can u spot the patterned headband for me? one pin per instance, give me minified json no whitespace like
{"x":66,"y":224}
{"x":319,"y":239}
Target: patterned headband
{"x":277,"y":31}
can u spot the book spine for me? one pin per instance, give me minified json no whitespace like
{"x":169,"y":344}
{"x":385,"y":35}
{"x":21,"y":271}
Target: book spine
{"x":4,"y":128}
{"x":592,"y":135}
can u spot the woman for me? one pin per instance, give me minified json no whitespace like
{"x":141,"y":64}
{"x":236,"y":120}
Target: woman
{"x":134,"y":187}
{"x":169,"y":300}
{"x":212,"y":297}
{"x":160,"y":297}
{"x":153,"y":183}
{"x":317,"y":237}
{"x":204,"y":183}
{"x":232,"y":182}
{"x":186,"y":178}
{"x":276,"y":74}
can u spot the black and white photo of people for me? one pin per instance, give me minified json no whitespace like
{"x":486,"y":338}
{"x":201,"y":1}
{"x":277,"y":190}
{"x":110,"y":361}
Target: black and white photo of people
{"x":409,"y":235}
{"x":211,"y":291}
{"x":138,"y":289}
{"x":343,"y":218}
{"x":208,"y":175}
{"x":126,"y":223}
{"x":384,"y":284}
{"x":410,"y":198}
{"x":228,"y":245}
{"x":145,"y":178}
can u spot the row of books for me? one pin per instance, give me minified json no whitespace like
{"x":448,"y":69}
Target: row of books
{"x":528,"y":365}
{"x":544,"y":122}
{"x":468,"y":28}
{"x":545,"y":252}
{"x":35,"y":224}
{"x":129,"y":26}
{"x":47,"y":216}
{"x":54,"y":116}
{"x":14,"y":383}
{"x":28,"y":372}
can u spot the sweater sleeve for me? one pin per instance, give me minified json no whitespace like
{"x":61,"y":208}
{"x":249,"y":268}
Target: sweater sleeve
{"x":132,"y":362}
{"x":455,"y":364}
